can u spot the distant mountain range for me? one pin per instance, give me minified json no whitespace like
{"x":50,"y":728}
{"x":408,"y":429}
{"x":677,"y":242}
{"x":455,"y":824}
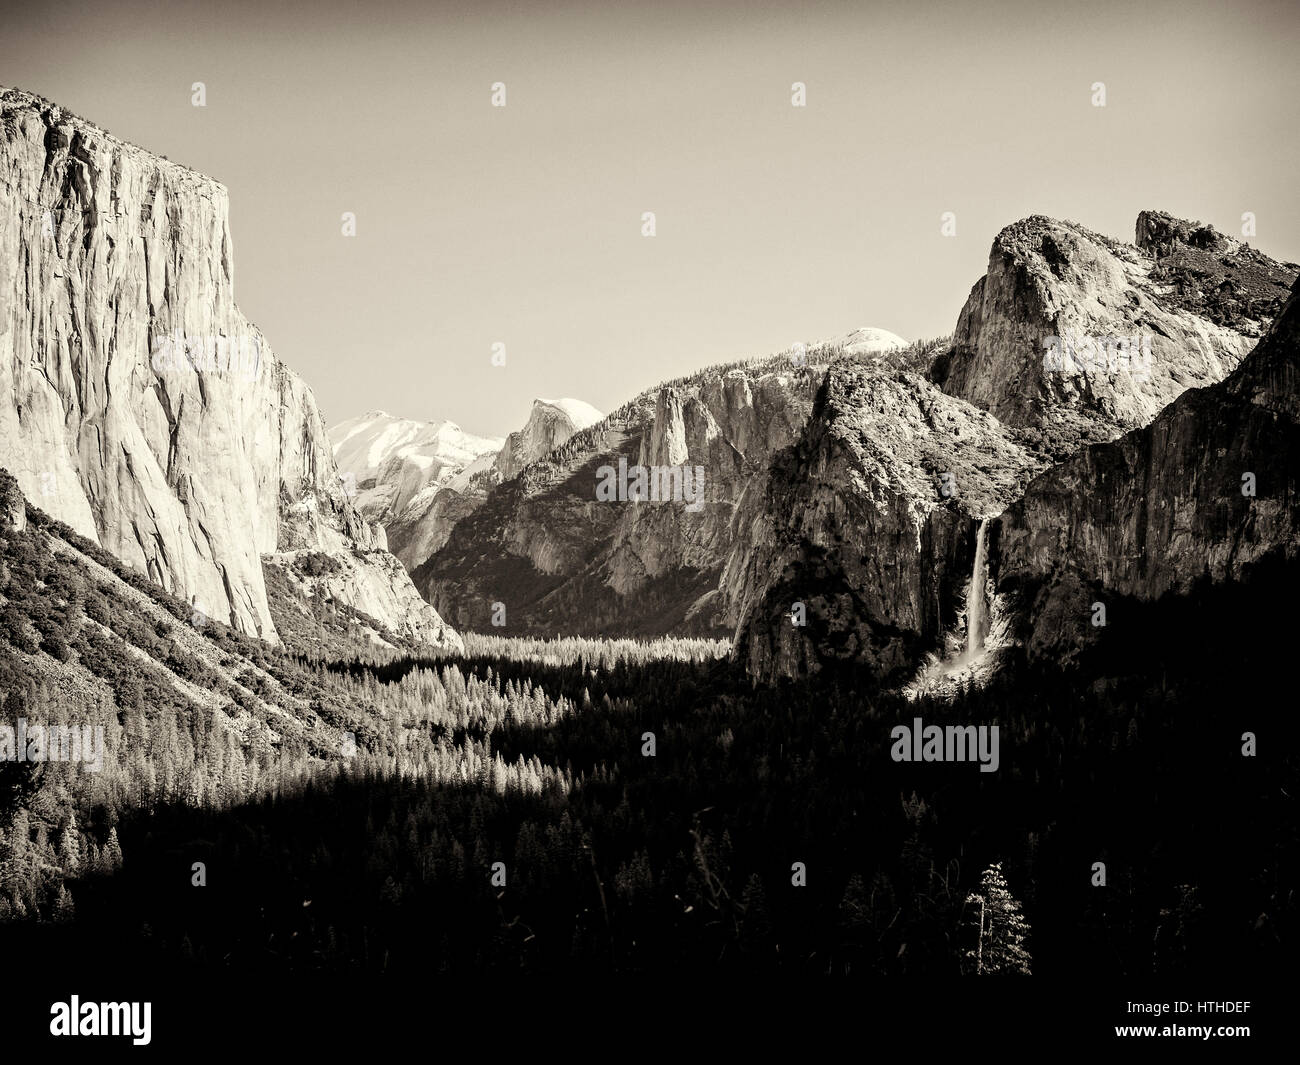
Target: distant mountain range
{"x":850,"y":478}
{"x":1108,"y":419}
{"x":420,"y":478}
{"x":390,"y":460}
{"x":557,"y":559}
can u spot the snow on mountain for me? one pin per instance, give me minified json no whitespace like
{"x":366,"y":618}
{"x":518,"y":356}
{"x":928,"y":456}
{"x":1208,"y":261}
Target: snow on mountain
{"x":389,"y":460}
{"x":420,"y":478}
{"x":550,"y":423}
{"x":582,"y":415}
{"x":870,"y":340}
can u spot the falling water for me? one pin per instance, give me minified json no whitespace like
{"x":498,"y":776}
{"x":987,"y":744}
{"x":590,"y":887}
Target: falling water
{"x":975,"y":596}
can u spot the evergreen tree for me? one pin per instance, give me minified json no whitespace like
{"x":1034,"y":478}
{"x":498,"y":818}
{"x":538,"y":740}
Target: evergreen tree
{"x":1000,"y":927}
{"x":113,"y":850}
{"x":70,"y":846}
{"x":64,"y":909}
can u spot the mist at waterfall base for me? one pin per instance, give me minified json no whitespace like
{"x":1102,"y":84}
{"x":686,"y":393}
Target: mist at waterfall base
{"x":942,"y":672}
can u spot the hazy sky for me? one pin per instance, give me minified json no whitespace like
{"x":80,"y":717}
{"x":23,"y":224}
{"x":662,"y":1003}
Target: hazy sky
{"x":522,"y":224}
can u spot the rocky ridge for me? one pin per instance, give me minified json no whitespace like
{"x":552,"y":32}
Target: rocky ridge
{"x":1083,"y":337}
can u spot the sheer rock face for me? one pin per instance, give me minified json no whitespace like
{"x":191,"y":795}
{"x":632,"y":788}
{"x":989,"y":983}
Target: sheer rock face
{"x":561,"y":559}
{"x":853,"y":524}
{"x":137,"y":404}
{"x":425,"y":523}
{"x":1166,"y":505}
{"x":550,"y":423}
{"x":13,"y":507}
{"x":725,"y":432}
{"x":1032,"y":343}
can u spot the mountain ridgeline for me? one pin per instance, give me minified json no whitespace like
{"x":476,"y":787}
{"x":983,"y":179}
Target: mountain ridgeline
{"x":424,"y":524}
{"x":843,"y":485}
{"x":1098,"y":406}
{"x":1093,"y":481}
{"x":559,"y":559}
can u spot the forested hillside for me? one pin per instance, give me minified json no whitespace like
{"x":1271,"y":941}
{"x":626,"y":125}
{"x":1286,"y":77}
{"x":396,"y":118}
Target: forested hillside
{"x":577,"y":804}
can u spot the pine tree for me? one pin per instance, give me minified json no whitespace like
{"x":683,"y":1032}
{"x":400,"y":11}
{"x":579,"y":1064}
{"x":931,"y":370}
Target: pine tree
{"x":20,"y":834}
{"x":113,"y":851}
{"x":1001,"y":928}
{"x":70,"y":846}
{"x":64,"y":909}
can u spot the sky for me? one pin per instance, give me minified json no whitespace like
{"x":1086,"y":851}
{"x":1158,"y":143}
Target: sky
{"x":522,"y":225}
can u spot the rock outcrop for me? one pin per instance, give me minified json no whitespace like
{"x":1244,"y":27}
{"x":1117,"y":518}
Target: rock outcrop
{"x":373,"y":588}
{"x":550,"y":423}
{"x":1207,"y":490}
{"x":13,"y":507}
{"x":1084,"y":337}
{"x":1217,"y":277}
{"x":856,"y":546}
{"x":137,"y":404}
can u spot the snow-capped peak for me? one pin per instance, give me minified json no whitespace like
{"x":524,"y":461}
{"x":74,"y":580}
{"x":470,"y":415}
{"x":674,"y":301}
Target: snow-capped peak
{"x":391,"y":459}
{"x":868,"y":339}
{"x":582,"y":415}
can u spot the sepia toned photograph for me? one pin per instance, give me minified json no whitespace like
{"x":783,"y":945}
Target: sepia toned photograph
{"x":657,"y":527}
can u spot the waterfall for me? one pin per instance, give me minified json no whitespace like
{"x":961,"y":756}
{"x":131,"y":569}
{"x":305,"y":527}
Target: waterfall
{"x":975,"y":606}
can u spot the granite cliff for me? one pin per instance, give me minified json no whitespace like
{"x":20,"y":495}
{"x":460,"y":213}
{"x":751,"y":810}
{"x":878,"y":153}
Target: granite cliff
{"x":853,"y":523}
{"x":1206,"y":491}
{"x":139,"y":406}
{"x":1084,"y":337}
{"x":855,"y":546}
